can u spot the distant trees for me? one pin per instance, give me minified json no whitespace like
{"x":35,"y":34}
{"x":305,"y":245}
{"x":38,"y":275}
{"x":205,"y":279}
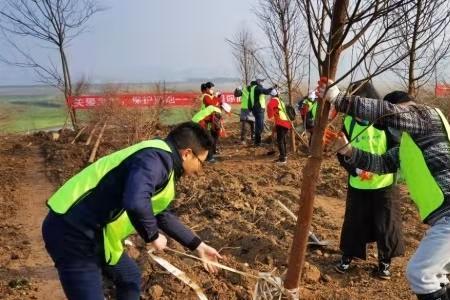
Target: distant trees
{"x":281,"y":22}
{"x":243,"y":49}
{"x":54,"y":22}
{"x":424,"y":35}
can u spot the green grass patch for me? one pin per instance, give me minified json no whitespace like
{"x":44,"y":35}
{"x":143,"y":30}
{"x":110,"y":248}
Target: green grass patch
{"x":29,"y":113}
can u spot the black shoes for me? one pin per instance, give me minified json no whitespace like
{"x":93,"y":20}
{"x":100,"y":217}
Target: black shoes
{"x":383,"y":271}
{"x":344,"y":265}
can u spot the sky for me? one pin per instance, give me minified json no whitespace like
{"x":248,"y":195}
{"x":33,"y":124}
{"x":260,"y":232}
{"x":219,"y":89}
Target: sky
{"x":144,"y":40}
{"x":138,"y":41}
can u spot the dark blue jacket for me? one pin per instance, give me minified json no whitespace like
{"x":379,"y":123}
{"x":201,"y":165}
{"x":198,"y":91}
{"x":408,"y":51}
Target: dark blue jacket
{"x":129,"y":187}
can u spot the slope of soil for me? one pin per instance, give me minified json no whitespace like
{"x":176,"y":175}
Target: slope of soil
{"x":232,"y":206}
{"x":26,"y":271}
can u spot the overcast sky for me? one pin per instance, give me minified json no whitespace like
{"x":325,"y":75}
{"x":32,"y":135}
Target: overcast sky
{"x":144,"y":40}
{"x":152,"y":40}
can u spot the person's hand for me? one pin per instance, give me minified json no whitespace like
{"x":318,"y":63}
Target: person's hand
{"x":332,"y":113}
{"x":159,"y":244}
{"x":329,"y":137}
{"x":326,"y":92}
{"x":341,"y":145}
{"x":218,"y":94}
{"x":364,"y":175}
{"x":207,"y":253}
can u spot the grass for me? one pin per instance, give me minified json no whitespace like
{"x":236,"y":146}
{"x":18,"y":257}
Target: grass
{"x":23,"y":114}
{"x":31,"y":113}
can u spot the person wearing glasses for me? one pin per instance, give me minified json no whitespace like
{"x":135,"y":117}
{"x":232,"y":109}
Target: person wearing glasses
{"x":126,"y":192}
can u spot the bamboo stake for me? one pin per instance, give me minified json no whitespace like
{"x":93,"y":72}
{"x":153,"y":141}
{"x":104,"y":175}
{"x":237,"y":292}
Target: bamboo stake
{"x":78,"y":135}
{"x":91,"y":134}
{"x":97,"y":143}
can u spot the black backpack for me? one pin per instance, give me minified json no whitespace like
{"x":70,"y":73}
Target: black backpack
{"x":290,"y":112}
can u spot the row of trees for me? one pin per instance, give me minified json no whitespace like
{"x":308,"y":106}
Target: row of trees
{"x":408,"y":37}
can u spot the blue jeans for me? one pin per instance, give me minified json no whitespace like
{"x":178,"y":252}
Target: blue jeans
{"x":79,"y":260}
{"x":428,"y":268}
{"x":259,"y":125}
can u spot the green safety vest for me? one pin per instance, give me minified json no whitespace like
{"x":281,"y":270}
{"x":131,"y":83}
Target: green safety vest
{"x":312,"y":107}
{"x":374,"y":141}
{"x":244,"y":98}
{"x":262,"y":98}
{"x":423,"y":188}
{"x":203,"y":113}
{"x":77,"y":187}
{"x":281,"y":109}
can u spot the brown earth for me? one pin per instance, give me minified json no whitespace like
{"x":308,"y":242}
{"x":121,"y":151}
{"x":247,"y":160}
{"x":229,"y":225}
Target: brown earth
{"x":231,"y":206}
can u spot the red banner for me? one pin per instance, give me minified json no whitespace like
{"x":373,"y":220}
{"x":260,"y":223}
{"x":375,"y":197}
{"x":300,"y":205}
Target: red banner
{"x":442,"y":90}
{"x":144,"y":100}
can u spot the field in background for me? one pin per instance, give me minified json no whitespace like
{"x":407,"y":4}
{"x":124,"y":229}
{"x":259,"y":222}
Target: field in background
{"x":31,"y":108}
{"x":28,"y":115}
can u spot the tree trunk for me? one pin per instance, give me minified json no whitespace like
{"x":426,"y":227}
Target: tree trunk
{"x":312,"y":168}
{"x":67,"y":87}
{"x":412,"y":88}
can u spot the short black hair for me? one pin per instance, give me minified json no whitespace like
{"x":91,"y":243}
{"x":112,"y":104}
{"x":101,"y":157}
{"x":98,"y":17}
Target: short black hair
{"x":398,"y":97}
{"x":190,"y":135}
{"x":364,"y":88}
{"x":203,"y":87}
{"x":209,"y":85}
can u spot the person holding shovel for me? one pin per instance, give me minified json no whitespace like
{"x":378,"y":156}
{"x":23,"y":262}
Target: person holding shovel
{"x":423,"y":157}
{"x":122,"y":193}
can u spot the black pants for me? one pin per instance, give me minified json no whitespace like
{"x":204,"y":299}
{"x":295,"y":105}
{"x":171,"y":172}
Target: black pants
{"x":372,"y":216}
{"x":79,"y":259}
{"x":244,"y":125}
{"x":281,"y":140}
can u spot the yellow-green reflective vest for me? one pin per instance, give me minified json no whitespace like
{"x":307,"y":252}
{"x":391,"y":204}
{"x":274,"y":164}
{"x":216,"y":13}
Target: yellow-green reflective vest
{"x":244,"y":98}
{"x":82,"y":183}
{"x":373,"y":141}
{"x":423,"y":188}
{"x":281,"y":109}
{"x":262,"y":98}
{"x":203,"y":113}
{"x":312,"y":107}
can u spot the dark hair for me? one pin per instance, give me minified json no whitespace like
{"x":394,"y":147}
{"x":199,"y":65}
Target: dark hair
{"x":190,"y":135}
{"x":364,"y":89}
{"x":203,"y":87}
{"x":209,"y":85}
{"x":253,"y":83}
{"x":398,"y":97}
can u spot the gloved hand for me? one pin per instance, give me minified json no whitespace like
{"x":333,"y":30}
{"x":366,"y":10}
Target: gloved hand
{"x":329,"y":137}
{"x":338,"y":142}
{"x":364,"y":175}
{"x":325,"y":92}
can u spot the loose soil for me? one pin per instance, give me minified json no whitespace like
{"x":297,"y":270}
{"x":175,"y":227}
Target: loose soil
{"x":231,"y":206}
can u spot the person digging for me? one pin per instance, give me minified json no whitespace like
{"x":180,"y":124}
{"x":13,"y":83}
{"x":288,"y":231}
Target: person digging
{"x":122,"y":193}
{"x":423,"y":157}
